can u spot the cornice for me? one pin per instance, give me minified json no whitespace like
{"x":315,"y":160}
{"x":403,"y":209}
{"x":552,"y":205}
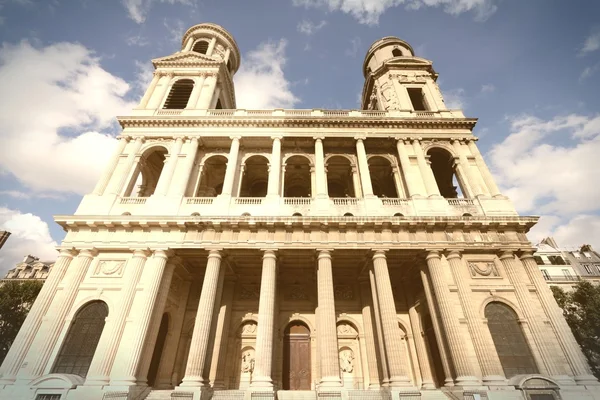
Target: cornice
{"x":297,"y":122}
{"x":184,"y":223}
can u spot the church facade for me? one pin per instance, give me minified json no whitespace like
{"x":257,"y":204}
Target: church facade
{"x":295,"y":254}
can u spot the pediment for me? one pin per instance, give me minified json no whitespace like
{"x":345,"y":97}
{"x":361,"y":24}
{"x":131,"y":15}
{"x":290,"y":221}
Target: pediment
{"x":409,"y":61}
{"x":187,"y":58}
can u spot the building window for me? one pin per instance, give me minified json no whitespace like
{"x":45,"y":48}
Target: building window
{"x":588,"y":268}
{"x":576,"y":254}
{"x":556,"y":260}
{"x":47,"y":397}
{"x":396,"y":53}
{"x":513,"y":351}
{"x":417,"y":98}
{"x":77,"y":351}
{"x":587,"y":254}
{"x":538,"y":260}
{"x":179,"y":95}
{"x":546,"y":274}
{"x":201,"y":47}
{"x":567,"y":274}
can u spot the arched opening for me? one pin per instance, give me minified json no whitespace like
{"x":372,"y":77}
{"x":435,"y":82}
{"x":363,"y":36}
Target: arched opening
{"x":398,"y":215}
{"x":296,"y":215}
{"x":382,"y":177}
{"x":179,"y":95}
{"x":147,"y":173}
{"x":158,"y":349}
{"x":396,"y":53}
{"x":297,"y":178}
{"x":212,"y":177}
{"x":296,"y":357}
{"x":218,"y":106}
{"x":77,"y":351}
{"x":349,"y":355}
{"x":201,"y":46}
{"x":256,"y":177}
{"x":339,"y":177}
{"x":348,"y":215}
{"x":246,"y":214}
{"x":510,"y":342}
{"x":242,"y":355}
{"x":442,"y":165}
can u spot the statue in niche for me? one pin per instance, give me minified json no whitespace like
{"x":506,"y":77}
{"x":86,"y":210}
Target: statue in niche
{"x":248,"y":361}
{"x":249,"y":328}
{"x":347,"y":360}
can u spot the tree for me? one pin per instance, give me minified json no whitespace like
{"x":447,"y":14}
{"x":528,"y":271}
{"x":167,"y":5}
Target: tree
{"x":581,"y":308}
{"x":16,"y":299}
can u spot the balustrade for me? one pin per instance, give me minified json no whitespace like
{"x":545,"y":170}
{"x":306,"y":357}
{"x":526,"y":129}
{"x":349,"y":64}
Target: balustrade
{"x":133,"y":200}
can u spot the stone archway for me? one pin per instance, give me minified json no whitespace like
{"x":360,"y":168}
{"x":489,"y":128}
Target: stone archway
{"x":296,"y":357}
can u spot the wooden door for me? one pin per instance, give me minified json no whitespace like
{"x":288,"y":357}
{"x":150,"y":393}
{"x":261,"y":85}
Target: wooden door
{"x":296,"y":357}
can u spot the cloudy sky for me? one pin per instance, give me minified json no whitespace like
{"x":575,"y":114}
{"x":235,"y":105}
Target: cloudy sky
{"x":529,"y":70}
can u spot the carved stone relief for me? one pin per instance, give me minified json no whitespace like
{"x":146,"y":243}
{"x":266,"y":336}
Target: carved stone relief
{"x":249,"y":292}
{"x":343,"y":292}
{"x":248,"y":361}
{"x":296,"y":292}
{"x":346,"y":360}
{"x":109,"y":268}
{"x":345,"y":329}
{"x":483,"y":269}
{"x":249,"y":328}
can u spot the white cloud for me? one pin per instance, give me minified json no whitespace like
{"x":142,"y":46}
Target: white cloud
{"x":355,"y":44}
{"x":591,"y":43}
{"x":369,"y":11}
{"x":589,"y":71}
{"x":308,"y":27}
{"x":488,"y":88}
{"x":29,"y":235}
{"x":138,"y":9}
{"x":175,"y":29}
{"x":60,"y":98}
{"x":550,"y":168}
{"x":455,"y":99}
{"x":260,"y":82}
{"x":137,"y":40}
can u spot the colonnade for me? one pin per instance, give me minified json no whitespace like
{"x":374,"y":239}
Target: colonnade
{"x":413,"y":175}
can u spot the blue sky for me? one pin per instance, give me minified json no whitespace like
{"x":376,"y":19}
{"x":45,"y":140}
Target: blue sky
{"x":528,"y":70}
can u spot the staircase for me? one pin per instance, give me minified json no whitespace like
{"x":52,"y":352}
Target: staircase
{"x":159,"y":394}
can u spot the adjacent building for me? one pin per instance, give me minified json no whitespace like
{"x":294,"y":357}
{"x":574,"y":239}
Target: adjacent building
{"x":31,"y":268}
{"x":295,"y":254}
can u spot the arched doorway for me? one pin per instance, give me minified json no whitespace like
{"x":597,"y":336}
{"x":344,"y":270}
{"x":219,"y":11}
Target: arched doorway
{"x":158,"y":350}
{"x":77,"y":351}
{"x":255,"y":178}
{"x":510,"y":342}
{"x":296,"y":357}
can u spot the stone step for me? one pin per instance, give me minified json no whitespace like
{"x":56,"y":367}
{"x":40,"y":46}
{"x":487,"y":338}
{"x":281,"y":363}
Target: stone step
{"x":228,"y":395}
{"x":297,"y":395}
{"x":159,"y":395}
{"x":434,"y":395}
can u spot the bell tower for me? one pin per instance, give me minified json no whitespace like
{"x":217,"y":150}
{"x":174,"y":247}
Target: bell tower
{"x":397,"y":80}
{"x":198,"y":77}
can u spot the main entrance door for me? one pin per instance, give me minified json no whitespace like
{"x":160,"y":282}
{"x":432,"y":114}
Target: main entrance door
{"x":296,"y":357}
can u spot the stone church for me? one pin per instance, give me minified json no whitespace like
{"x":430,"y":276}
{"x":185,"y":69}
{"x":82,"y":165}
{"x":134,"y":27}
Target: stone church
{"x":281,"y":254}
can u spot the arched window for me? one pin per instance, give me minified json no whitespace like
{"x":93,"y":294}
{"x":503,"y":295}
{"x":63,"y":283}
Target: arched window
{"x":339,"y":177}
{"x":382,"y":177}
{"x":256,"y":177}
{"x":442,"y":164}
{"x":201,"y":46}
{"x":147,"y":173}
{"x":509,"y":340}
{"x":179,"y":95}
{"x":396,"y":53}
{"x":78,"y":349}
{"x":297,"y":178}
{"x":210,"y":182}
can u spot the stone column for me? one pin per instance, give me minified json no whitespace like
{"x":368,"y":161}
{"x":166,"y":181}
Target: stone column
{"x":200,"y":337}
{"x":232,"y":160}
{"x":157,"y":100}
{"x":144,"y":102}
{"x":482,"y":341}
{"x":195,"y":95}
{"x":164,"y":181}
{"x":426,"y":171}
{"x":368,"y":323}
{"x":207,"y":92}
{"x":363,"y":167}
{"x":112,"y":165}
{"x":464,"y":370}
{"x":572,"y":351}
{"x":22,"y":343}
{"x":125,"y":371}
{"x":180,"y":185}
{"x":472,"y":181}
{"x":385,"y":372}
{"x":321,"y":177}
{"x":422,"y":356}
{"x":485,"y":172}
{"x":356,"y":182}
{"x":327,"y":330}
{"x":211,"y":46}
{"x":116,"y":183}
{"x":47,"y":336}
{"x":396,"y":352}
{"x":108,"y":345}
{"x":437,"y":329}
{"x":262,"y":377}
{"x":274,"y":168}
{"x":406,"y":168}
{"x":219,"y":359}
{"x":398,"y":183}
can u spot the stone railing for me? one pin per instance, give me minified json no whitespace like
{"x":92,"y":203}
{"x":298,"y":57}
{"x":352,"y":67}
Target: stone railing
{"x":297,"y":201}
{"x":199,"y":200}
{"x":461,"y":202}
{"x":314,"y":113}
{"x":344,"y":201}
{"x":133,"y":200}
{"x":249,"y":200}
{"x":395,"y":202}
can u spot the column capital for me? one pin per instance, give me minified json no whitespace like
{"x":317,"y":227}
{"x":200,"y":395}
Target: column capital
{"x":125,"y":138}
{"x":453,"y":253}
{"x":269,"y":253}
{"x":235,"y":138}
{"x":276,"y":137}
{"x":68,"y":252}
{"x":319,"y":138}
{"x":432,"y":254}
{"x":506,"y":254}
{"x":359,"y":138}
{"x":324,"y":253}
{"x":140,"y":139}
{"x":145,"y":253}
{"x":379,"y":253}
{"x":88,"y":252}
{"x":162,"y":253}
{"x":525,"y":254}
{"x":215,"y":253}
